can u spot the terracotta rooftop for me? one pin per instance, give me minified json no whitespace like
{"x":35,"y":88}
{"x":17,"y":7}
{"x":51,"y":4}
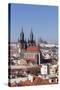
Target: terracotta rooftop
{"x":36,"y":81}
{"x":33,"y":49}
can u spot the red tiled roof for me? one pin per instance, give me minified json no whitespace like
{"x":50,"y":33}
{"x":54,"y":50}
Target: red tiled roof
{"x":25,"y":83}
{"x":40,"y":81}
{"x":33,"y":48}
{"x":36,"y":81}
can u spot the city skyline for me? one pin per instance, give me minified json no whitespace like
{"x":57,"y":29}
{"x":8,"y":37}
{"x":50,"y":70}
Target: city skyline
{"x":43,"y":20}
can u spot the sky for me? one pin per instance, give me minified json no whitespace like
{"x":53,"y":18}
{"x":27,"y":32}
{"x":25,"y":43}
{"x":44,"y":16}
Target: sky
{"x":43,"y":20}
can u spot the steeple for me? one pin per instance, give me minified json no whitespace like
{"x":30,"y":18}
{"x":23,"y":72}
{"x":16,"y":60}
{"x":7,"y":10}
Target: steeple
{"x":22,"y":41}
{"x":22,"y":35}
{"x":31,"y":36}
{"x":31,"y":41}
